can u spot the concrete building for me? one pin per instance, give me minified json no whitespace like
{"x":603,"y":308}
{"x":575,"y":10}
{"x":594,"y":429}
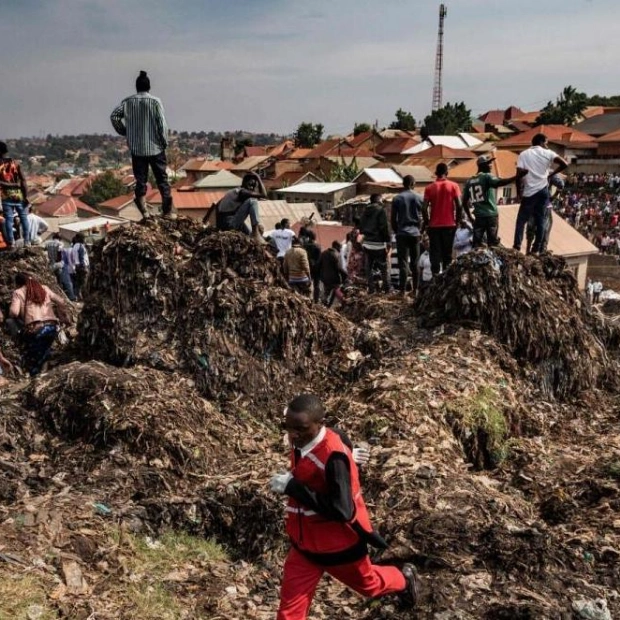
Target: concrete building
{"x":325,"y":196}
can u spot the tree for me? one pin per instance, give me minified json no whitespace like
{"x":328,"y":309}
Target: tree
{"x":404,"y":121}
{"x":451,"y":119}
{"x":241,"y":144}
{"x":308,"y":135}
{"x":342,"y":172}
{"x":103,"y":188}
{"x":566,"y":109}
{"x":359,"y":128}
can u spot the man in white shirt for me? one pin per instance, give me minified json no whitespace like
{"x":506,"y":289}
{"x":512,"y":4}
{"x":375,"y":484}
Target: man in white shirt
{"x":535,"y":165}
{"x":425,"y":274}
{"x":36,"y":227}
{"x":283,"y":238}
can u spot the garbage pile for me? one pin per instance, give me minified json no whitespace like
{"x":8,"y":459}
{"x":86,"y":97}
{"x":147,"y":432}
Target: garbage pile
{"x":173,"y":296}
{"x":531,"y":305}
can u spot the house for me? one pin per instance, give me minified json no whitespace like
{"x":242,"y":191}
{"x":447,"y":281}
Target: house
{"x":328,"y":166}
{"x":221,"y":180}
{"x":326,"y":233}
{"x":601,"y":124}
{"x":461,"y":141}
{"x":504,"y":166}
{"x":422,"y":175}
{"x":60,"y":206}
{"x":609,"y":147}
{"x":429,"y":158}
{"x":88,"y":226}
{"x":200,"y":167}
{"x":121,"y":207}
{"x":564,"y":241}
{"x":194,"y":205}
{"x":326,"y":196}
{"x":392,"y":150}
{"x":289,"y":178}
{"x":493,"y":119}
{"x":257,"y":164}
{"x":567,"y":142}
{"x":271,"y":212}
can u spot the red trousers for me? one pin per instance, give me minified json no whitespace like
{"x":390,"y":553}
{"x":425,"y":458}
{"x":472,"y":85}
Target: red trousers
{"x":301,"y":577}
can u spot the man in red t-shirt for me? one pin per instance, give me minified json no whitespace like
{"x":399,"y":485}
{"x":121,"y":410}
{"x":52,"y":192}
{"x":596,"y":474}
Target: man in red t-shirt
{"x":444,"y":199}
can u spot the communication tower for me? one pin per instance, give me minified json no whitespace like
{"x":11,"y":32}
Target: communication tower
{"x":437,"y":87}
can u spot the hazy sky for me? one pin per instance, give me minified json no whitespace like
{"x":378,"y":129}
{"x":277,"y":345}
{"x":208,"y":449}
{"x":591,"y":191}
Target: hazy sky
{"x":266,"y":65}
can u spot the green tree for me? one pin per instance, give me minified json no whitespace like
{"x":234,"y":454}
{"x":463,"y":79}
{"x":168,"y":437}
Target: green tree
{"x":241,"y":144}
{"x":359,"y":128}
{"x":404,"y":121}
{"x":308,"y":135}
{"x":448,"y":120}
{"x":104,"y":187}
{"x":342,"y":172}
{"x":613,"y":101}
{"x":566,"y":109}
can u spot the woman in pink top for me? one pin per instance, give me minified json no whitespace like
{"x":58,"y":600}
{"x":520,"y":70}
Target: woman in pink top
{"x":33,"y":305}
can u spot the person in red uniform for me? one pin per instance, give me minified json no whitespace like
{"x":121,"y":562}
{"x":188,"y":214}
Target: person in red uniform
{"x":444,"y":199}
{"x":326,"y":518}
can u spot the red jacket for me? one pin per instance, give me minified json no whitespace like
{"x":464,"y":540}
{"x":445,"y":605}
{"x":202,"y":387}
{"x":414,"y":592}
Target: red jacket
{"x":308,"y":530}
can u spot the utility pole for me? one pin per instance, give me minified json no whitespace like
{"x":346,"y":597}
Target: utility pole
{"x":437,"y":87}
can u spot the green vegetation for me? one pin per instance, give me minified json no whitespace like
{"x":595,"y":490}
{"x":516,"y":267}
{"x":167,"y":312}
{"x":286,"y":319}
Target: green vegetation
{"x":566,"y":110}
{"x":448,"y":120}
{"x":479,"y":422}
{"x":308,"y":135}
{"x":103,"y":188}
{"x":404,"y":121}
{"x":359,"y":128}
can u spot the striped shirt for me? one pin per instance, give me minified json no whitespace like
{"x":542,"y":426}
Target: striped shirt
{"x":141,"y":118}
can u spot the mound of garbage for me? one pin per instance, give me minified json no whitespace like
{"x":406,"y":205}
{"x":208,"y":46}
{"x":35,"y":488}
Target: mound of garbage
{"x":531,"y":305}
{"x":173,"y":296}
{"x":134,"y":482}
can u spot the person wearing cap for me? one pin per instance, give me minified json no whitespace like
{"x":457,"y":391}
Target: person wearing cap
{"x":327,"y":520}
{"x":479,"y":194}
{"x":443,"y":199}
{"x":534,"y":170}
{"x":141,"y":119}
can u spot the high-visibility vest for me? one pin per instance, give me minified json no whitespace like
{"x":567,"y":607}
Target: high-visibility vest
{"x":310,"y":531}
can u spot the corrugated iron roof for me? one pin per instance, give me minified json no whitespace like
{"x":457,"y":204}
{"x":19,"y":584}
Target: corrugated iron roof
{"x":326,"y":233}
{"x":202,"y":164}
{"x":188,"y":200}
{"x":381,"y":175}
{"x":273,"y":211}
{"x":118,"y":202}
{"x":222,"y":178}
{"x":316,"y":188}
{"x":249,"y":163}
{"x":504,"y":166}
{"x":560,"y":134}
{"x":421,"y":174}
{"x":563,"y":241}
{"x":362,"y":162}
{"x":59,"y":206}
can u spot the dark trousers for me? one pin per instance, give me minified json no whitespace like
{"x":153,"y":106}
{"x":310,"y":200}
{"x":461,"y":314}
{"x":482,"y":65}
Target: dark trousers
{"x":486,"y":226}
{"x":158,"y":165}
{"x":532,"y":207}
{"x":408,"y":254}
{"x":441,"y":241}
{"x":530,"y":232}
{"x":376,"y":260}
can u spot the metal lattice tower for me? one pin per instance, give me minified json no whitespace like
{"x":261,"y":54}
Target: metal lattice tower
{"x":437,"y":87}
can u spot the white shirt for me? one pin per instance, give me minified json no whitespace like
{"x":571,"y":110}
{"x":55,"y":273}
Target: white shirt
{"x":538,"y":162}
{"x":597,"y":287}
{"x":283,"y":240}
{"x":36,"y":226}
{"x":425,"y":265}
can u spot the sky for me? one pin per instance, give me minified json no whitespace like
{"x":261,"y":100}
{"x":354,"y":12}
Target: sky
{"x":267,"y":65}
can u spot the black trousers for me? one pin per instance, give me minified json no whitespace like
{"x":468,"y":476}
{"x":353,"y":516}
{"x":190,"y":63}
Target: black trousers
{"x":158,"y":165}
{"x":408,"y":254}
{"x":486,"y":226}
{"x":376,"y":260}
{"x":441,"y":241}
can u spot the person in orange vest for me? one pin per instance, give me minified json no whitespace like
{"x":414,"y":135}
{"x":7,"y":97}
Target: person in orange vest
{"x":326,"y":518}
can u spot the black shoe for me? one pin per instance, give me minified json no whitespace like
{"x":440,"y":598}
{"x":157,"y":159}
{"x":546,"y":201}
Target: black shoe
{"x":411,"y":594}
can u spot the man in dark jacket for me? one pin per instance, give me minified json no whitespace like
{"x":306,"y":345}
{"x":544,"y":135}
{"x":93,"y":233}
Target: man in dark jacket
{"x":376,"y":242}
{"x":332,"y":274}
{"x":406,"y":222}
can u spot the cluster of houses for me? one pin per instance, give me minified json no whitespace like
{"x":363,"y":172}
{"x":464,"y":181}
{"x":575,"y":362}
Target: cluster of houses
{"x":332,"y":179}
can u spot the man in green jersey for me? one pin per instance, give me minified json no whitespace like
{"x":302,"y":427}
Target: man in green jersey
{"x":479,"y":193}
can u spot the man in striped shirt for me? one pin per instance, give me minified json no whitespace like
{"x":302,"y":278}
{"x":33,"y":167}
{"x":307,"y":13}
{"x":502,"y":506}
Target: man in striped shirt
{"x":140,"y":118}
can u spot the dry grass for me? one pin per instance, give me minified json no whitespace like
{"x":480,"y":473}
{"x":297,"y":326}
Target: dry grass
{"x":23,"y":597}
